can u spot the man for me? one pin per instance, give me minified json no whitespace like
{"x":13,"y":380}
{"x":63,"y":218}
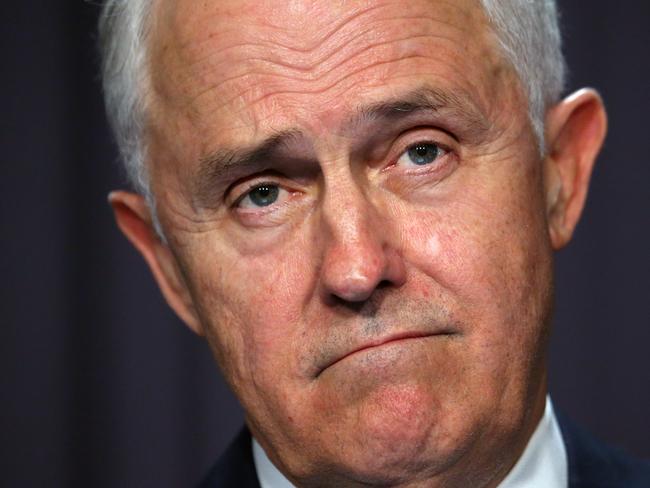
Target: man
{"x":356,"y":203}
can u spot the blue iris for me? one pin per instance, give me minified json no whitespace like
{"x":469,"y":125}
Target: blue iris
{"x":422,"y":154}
{"x":264,"y":195}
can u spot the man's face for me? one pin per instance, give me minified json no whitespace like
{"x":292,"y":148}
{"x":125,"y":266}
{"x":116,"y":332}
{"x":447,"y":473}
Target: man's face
{"x":354,"y":197}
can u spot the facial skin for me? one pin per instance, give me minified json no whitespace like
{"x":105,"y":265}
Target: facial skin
{"x":381,"y":321}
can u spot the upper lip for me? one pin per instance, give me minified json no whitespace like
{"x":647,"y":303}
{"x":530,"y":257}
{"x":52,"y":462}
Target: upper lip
{"x":380,"y":342}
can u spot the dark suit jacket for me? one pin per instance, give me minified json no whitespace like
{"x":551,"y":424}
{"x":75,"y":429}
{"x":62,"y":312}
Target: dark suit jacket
{"x":591,"y":463}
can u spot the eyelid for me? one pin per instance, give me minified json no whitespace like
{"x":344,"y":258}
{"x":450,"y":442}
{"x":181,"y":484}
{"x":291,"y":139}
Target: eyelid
{"x":240,"y":188}
{"x":421,"y":135}
{"x":274,"y":214}
{"x":236,"y":203}
{"x":425,"y":132}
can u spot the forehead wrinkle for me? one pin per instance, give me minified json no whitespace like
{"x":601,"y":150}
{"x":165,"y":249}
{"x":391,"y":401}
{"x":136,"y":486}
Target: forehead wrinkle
{"x":303,"y":66}
{"x":308,"y":64}
{"x":459,"y":99}
{"x":321,"y":89}
{"x":315,"y":44}
{"x":324,"y":69}
{"x":424,"y":97}
{"x":309,"y":76}
{"x":314,"y":77}
{"x":192,"y":45}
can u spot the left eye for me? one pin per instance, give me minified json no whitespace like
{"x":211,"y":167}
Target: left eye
{"x":421,"y":154}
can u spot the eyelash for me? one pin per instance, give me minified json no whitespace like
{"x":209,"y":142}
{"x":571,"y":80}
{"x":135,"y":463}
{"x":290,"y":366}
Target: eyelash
{"x":413,"y":142}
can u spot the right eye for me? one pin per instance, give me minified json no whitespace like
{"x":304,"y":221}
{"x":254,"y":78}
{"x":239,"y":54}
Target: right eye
{"x":261,"y":195}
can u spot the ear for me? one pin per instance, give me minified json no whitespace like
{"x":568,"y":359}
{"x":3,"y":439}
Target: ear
{"x":575,"y":130}
{"x":134,"y":220}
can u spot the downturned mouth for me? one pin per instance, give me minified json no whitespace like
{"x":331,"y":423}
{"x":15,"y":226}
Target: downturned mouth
{"x":383,"y":341}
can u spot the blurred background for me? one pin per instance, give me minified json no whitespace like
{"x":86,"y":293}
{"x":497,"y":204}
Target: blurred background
{"x":101,"y":385}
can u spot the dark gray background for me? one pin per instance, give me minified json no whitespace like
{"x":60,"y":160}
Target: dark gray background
{"x":102,"y":386}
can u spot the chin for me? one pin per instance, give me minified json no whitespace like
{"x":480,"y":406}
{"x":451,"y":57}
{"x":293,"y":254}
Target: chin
{"x":400,"y":436}
{"x":405,"y":461}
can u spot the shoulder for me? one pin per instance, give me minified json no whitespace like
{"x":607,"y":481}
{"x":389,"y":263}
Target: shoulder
{"x":235,"y":467}
{"x":596,"y":465}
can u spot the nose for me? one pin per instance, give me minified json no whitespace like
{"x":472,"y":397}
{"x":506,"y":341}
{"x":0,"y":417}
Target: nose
{"x":358,"y":256}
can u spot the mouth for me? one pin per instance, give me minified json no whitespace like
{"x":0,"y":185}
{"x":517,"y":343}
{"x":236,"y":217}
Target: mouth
{"x":400,"y":337}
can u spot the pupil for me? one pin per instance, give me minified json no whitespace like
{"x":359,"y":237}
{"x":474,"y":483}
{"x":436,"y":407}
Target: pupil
{"x":423,"y":153}
{"x":265,"y":195}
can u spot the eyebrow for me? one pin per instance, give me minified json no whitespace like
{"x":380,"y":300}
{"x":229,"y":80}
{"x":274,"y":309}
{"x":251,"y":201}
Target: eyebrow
{"x":217,"y":165}
{"x":418,"y":100}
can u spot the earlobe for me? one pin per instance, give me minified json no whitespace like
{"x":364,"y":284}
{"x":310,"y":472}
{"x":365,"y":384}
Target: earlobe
{"x":134,"y":220}
{"x":575,"y":130}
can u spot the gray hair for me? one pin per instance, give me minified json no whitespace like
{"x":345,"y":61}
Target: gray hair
{"x":529,"y":34}
{"x":123,"y":29}
{"x":527,"y":31}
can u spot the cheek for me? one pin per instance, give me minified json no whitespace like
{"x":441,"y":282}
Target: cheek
{"x":448,"y":253}
{"x":488,"y":260}
{"x":252,"y":304}
{"x":490,"y":256}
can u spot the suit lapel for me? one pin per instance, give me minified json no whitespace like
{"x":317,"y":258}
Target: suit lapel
{"x":235,"y":468}
{"x":593,"y":464}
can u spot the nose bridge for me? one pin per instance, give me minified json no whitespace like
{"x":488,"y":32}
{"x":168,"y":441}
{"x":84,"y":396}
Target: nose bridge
{"x":357,"y":256}
{"x":346,"y":210}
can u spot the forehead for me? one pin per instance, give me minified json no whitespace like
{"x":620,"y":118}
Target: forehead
{"x":245,"y":68}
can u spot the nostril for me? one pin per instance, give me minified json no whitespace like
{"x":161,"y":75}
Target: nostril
{"x":366,"y":308}
{"x":384,"y":284}
{"x":339,"y":302}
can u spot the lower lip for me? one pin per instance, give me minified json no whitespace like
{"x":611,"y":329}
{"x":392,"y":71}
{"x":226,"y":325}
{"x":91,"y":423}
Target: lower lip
{"x":391,"y":342}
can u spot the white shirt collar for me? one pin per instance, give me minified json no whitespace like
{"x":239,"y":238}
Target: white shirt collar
{"x":543,"y":463}
{"x":268,"y":475}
